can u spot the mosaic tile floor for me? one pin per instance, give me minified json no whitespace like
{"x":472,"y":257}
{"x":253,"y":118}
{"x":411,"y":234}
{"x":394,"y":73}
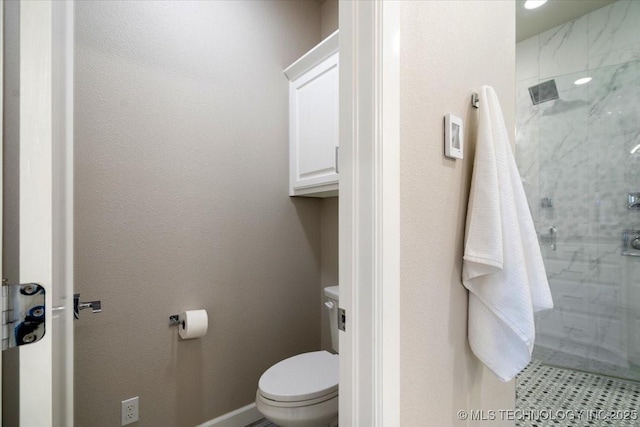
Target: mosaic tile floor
{"x":571,"y":361}
{"x":550,"y":396}
{"x":262,"y":423}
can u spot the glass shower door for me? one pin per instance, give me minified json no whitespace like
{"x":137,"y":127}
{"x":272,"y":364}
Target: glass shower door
{"x":579,"y":156}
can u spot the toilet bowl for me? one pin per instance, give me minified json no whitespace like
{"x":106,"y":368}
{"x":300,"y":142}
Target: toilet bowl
{"x":302,"y":391}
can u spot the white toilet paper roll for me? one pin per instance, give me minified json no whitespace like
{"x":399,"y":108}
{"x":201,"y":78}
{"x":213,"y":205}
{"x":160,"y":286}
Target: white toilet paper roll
{"x":193,"y":324}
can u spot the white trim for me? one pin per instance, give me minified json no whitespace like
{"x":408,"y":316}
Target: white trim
{"x":238,"y":418}
{"x":1,"y":170}
{"x":369,"y":214}
{"x":63,"y":284}
{"x":320,"y":53}
{"x":388,"y":207}
{"x":36,"y":200}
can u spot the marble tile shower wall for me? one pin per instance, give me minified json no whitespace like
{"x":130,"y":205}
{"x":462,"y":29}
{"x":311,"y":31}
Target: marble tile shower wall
{"x":576,"y":150}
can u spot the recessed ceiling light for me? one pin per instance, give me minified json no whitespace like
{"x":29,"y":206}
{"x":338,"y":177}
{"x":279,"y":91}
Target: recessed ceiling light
{"x":532,"y":4}
{"x":582,"y":81}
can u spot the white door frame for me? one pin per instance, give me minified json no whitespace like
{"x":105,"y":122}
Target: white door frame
{"x":46,"y":206}
{"x":62,"y":161}
{"x":369,"y":213}
{"x":36,"y":192}
{"x":1,"y":173}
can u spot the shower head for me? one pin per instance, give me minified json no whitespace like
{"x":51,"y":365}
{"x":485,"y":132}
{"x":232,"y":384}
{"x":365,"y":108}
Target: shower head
{"x":543,"y":92}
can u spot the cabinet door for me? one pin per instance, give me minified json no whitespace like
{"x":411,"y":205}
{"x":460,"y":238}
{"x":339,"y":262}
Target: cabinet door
{"x":313,"y":135}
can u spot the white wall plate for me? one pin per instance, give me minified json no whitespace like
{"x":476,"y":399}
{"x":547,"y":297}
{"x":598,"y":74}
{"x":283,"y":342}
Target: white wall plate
{"x":453,"y":136}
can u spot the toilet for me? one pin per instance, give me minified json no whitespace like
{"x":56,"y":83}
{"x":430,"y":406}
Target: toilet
{"x":302,"y":391}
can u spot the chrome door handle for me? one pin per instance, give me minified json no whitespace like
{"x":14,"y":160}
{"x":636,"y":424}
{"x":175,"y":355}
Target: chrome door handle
{"x":95,"y":306}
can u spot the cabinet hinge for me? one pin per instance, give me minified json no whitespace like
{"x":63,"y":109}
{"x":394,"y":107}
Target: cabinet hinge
{"x":23,"y":314}
{"x":337,"y":160}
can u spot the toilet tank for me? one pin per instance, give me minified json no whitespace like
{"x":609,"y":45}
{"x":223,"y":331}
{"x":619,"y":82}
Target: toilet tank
{"x":332,"y":294}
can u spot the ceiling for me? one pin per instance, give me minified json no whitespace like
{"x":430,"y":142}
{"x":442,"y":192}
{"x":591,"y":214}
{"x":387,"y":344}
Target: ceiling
{"x":553,"y":13}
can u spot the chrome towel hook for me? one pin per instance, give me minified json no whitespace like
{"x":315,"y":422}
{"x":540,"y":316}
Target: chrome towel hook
{"x":475,"y":100}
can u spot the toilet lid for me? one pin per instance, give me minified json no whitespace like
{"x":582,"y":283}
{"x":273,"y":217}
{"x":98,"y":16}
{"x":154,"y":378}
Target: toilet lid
{"x":302,"y":377}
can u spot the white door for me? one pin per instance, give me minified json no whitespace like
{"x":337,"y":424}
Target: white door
{"x":37,"y":197}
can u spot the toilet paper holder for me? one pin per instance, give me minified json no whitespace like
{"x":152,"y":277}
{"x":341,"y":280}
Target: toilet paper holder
{"x":174,"y":320}
{"x":191,"y":323}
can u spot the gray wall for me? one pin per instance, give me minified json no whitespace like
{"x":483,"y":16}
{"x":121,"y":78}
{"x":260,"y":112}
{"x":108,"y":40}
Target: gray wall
{"x":329,"y":209}
{"x":181,"y":203}
{"x":448,"y":50}
{"x":328,"y":262}
{"x":328,"y":17}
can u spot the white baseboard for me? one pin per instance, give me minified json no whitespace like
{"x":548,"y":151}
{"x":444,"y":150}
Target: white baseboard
{"x":239,"y":418}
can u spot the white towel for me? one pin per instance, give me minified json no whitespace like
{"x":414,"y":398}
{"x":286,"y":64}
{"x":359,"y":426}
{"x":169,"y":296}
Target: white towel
{"x":502,"y":268}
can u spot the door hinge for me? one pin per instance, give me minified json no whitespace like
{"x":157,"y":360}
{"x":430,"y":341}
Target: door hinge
{"x":337,"y":160}
{"x":23,"y":314}
{"x":342,"y":319}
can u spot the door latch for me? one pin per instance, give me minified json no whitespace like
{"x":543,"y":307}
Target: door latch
{"x":23,"y":314}
{"x":95,"y":306}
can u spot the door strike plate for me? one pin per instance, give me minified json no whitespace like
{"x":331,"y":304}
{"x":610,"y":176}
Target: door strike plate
{"x":342,"y":319}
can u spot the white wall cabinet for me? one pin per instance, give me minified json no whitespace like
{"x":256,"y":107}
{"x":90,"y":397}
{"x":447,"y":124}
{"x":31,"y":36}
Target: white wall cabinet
{"x":313,"y":121}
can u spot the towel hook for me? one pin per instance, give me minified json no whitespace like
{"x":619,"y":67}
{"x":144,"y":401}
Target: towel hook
{"x":475,"y":100}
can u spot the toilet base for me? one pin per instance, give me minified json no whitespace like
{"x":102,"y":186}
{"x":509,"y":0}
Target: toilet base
{"x":323,"y":414}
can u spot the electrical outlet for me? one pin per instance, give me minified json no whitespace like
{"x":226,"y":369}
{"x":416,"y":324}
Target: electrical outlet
{"x":129,"y":411}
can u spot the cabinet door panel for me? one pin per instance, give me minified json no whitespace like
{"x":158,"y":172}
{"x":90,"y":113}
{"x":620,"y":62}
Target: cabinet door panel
{"x":314,"y":126}
{"x":316,"y":106}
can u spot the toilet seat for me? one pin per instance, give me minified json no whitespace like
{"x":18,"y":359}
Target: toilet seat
{"x":301,"y":380}
{"x":296,"y":404}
